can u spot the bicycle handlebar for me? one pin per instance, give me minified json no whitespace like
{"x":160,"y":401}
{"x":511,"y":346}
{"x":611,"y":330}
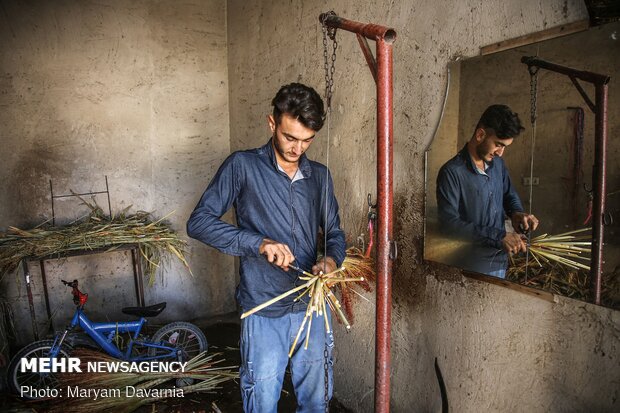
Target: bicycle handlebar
{"x":73,"y":283}
{"x":79,"y":298}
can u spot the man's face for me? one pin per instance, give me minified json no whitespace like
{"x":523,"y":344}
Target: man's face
{"x":489,"y":146}
{"x":290,"y":138}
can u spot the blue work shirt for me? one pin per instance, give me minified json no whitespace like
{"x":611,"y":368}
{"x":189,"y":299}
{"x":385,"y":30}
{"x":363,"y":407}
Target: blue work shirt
{"x":268,"y":204}
{"x":472,"y":206}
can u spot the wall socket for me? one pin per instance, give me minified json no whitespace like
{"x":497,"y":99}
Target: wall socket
{"x":527,"y":181}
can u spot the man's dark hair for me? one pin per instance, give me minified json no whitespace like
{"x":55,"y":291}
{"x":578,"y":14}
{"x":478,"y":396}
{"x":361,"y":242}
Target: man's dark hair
{"x":302,"y":103}
{"x":502,"y":120}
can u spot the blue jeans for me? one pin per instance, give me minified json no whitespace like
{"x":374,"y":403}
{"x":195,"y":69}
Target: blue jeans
{"x":497,"y":273}
{"x":265,"y":343}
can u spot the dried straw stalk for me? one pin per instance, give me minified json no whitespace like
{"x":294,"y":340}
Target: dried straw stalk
{"x":200,"y":368}
{"x":155,"y":240}
{"x":357,"y":265}
{"x":564,"y":249}
{"x":318,"y":288}
{"x":558,"y":264}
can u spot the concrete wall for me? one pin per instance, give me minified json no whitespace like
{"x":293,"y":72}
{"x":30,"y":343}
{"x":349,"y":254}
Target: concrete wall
{"x":137,"y":91}
{"x":500,"y":350}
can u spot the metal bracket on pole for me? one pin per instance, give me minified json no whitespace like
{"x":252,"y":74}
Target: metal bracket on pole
{"x":599,"y":169}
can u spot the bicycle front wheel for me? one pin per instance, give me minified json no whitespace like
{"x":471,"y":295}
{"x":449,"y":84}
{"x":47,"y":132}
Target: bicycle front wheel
{"x":31,"y":385}
{"x":184,"y":336}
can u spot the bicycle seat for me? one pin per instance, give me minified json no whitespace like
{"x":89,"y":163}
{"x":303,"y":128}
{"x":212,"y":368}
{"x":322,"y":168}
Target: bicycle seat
{"x":150,"y":311}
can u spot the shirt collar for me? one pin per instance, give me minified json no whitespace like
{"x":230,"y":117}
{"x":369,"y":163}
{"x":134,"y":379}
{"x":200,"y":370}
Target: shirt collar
{"x":465,"y":155}
{"x":304,"y":163}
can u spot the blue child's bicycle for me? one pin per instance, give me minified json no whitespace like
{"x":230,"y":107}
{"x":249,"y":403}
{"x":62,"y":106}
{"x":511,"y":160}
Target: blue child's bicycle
{"x":178,"y":341}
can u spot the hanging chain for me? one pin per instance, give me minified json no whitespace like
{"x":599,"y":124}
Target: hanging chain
{"x":326,"y":368}
{"x":533,"y":115}
{"x":330,"y":62}
{"x":330,"y":67}
{"x":533,"y":92}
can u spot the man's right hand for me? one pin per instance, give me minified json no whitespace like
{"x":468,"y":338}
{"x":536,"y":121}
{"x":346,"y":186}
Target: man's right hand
{"x":276,"y":253}
{"x":514,"y":243}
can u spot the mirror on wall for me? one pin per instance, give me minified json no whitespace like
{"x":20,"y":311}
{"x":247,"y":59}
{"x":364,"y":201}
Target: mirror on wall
{"x":549,"y":163}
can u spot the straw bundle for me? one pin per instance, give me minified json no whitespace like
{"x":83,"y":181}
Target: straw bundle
{"x":356,"y":265}
{"x":564,"y":249}
{"x":318,"y":288}
{"x":200,"y":368}
{"x":97,"y":231}
{"x":558,"y":264}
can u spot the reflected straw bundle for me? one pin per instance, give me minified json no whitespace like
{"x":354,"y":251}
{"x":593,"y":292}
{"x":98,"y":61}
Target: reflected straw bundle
{"x":318,"y":289}
{"x":563,"y":249}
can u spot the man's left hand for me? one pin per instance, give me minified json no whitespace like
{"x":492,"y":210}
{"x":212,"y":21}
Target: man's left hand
{"x":523,"y":223}
{"x":326,"y":264}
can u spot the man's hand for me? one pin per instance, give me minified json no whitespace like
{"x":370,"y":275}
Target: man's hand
{"x":523,"y":223}
{"x":514,"y":243}
{"x":276,"y":253}
{"x":326,"y":264}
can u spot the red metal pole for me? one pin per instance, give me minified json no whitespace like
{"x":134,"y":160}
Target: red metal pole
{"x":599,"y":178}
{"x":384,"y":228}
{"x":371,"y":31}
{"x":599,"y":169}
{"x":386,"y":249}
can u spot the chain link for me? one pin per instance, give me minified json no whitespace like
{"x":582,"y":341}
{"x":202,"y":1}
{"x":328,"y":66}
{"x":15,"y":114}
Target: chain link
{"x":330,"y":68}
{"x":533,"y":114}
{"x":533,"y":92}
{"x":330,"y":62}
{"x":326,"y":368}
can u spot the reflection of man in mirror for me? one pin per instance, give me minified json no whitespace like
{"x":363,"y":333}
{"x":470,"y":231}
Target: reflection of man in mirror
{"x":474,"y":194}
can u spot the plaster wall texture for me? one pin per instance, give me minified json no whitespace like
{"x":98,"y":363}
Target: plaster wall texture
{"x":137,"y":91}
{"x":500,"y":350}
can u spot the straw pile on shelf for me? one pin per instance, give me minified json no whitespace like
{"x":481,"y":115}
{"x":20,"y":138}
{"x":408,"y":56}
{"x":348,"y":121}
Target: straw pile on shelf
{"x":201,"y":369}
{"x":155,"y":239}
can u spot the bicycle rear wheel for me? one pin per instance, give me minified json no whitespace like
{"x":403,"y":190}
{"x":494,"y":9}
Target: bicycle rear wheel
{"x":184,"y":336}
{"x":33,"y":381}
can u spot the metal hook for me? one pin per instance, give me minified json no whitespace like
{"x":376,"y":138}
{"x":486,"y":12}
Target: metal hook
{"x":370,"y":204}
{"x":585,"y":188}
{"x":371,"y":207}
{"x":331,"y":31}
{"x":393,"y":250}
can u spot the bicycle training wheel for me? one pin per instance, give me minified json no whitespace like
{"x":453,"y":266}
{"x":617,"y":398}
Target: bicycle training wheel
{"x":184,"y":336}
{"x":30,"y":385}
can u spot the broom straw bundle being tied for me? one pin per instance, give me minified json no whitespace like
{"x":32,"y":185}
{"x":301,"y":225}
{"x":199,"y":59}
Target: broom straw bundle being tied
{"x":567,"y":249}
{"x":317,"y":288}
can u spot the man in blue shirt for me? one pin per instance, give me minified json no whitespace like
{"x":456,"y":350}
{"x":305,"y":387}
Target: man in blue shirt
{"x":474,"y":194}
{"x":282,"y":201}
